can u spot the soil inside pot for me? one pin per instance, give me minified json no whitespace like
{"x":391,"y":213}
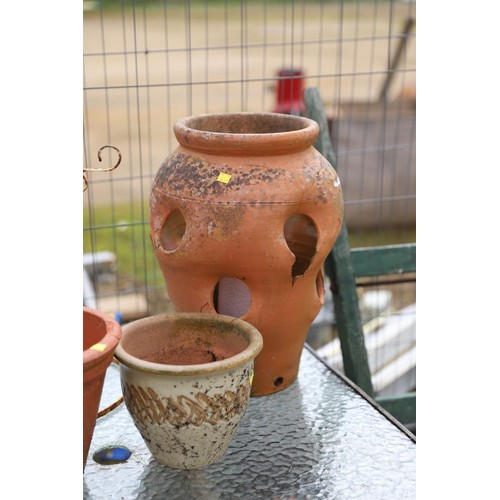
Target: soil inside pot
{"x":191,"y":351}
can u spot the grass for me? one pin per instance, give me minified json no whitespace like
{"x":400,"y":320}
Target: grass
{"x":123,"y":230}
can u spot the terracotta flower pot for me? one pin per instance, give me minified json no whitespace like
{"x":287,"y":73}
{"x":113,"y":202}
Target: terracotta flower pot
{"x":242,"y":216}
{"x":186,"y":380}
{"x":101,"y":335}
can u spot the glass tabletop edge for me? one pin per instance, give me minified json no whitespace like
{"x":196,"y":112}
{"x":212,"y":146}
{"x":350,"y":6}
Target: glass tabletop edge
{"x":363,"y":394}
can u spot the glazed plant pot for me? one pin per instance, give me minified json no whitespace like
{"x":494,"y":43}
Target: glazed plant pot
{"x":101,"y":335}
{"x":186,"y":380}
{"x":242,"y":217}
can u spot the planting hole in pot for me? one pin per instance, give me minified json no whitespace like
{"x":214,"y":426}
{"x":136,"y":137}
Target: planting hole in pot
{"x":112,"y":455}
{"x":232,"y":297}
{"x":173,"y":231}
{"x":301,"y":238}
{"x":278,"y":381}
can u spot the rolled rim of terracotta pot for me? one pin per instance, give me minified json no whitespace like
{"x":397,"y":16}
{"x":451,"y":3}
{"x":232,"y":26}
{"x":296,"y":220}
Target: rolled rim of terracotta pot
{"x":260,"y":134}
{"x":104,"y":342}
{"x":138,"y":328}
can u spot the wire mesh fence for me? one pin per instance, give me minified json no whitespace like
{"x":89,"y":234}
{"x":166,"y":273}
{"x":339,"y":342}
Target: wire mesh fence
{"x":148,"y":63}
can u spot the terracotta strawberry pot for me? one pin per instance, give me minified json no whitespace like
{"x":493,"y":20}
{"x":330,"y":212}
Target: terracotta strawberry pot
{"x":242,"y":216}
{"x":101,"y":335}
{"x":186,"y":380}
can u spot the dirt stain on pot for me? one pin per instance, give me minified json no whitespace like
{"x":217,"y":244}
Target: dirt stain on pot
{"x":193,"y":177}
{"x":188,"y":176}
{"x":224,"y":220}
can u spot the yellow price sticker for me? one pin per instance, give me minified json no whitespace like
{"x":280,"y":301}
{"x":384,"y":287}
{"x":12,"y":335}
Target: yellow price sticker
{"x":224,"y":177}
{"x":99,"y":347}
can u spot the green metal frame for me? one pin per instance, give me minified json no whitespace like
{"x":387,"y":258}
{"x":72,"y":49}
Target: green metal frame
{"x":343,"y":266}
{"x":383,"y":260}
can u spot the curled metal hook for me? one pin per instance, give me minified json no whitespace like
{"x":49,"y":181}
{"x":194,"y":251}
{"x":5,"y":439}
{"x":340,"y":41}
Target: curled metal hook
{"x":85,"y":181}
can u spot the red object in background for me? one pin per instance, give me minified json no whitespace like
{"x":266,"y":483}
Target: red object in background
{"x":289,"y":89}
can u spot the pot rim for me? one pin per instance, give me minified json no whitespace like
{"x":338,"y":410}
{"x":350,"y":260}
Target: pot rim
{"x":107,"y":343}
{"x":297,"y":133}
{"x":240,"y":359}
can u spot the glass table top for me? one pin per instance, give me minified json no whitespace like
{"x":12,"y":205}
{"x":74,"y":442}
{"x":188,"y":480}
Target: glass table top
{"x":318,"y":439}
